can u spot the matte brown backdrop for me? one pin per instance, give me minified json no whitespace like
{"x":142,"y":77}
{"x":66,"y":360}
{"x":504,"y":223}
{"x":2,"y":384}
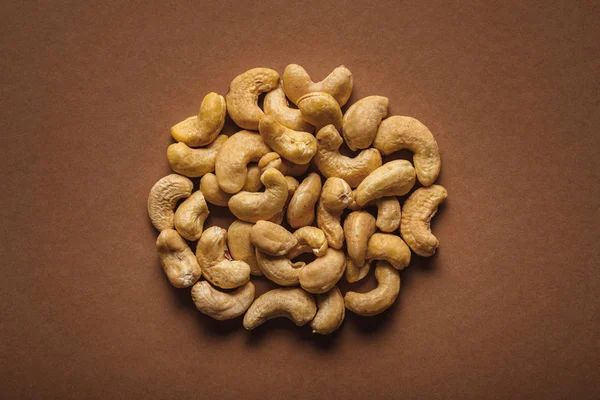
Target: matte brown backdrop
{"x":508,"y":308}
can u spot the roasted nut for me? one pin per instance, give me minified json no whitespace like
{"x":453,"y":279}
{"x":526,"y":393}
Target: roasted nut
{"x":252,"y":207}
{"x":240,"y":246}
{"x":222,"y":305}
{"x":331,"y":312}
{"x":301,"y":208}
{"x":293,"y":169}
{"x":276,"y":105}
{"x":203,"y":128}
{"x":323,"y":273}
{"x":320,"y":109}
{"x":387,"y":247}
{"x":362,"y":120}
{"x":292,"y":303}
{"x":359,"y":226}
{"x":272,"y":239}
{"x":190,"y":216}
{"x":279,"y":269}
{"x":335,"y":197}
{"x":163,"y":198}
{"x":212,"y":191}
{"x":354,"y":273}
{"x":253,"y":183}
{"x":194,"y":162}
{"x":243,"y":96}
{"x":310,"y":240}
{"x":272,"y":160}
{"x":296,"y":146}
{"x":379,"y":299}
{"x":296,"y":82}
{"x":394,"y":178}
{"x":177,"y":260}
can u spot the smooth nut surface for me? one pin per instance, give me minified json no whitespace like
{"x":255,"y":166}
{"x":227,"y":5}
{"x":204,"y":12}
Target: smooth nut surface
{"x":277,"y":106}
{"x":190,"y":216}
{"x":178,"y":261}
{"x":323,"y":273}
{"x":255,"y":206}
{"x":362,"y":120}
{"x":388,"y":247}
{"x":222,"y":305}
{"x":243,"y":96}
{"x":240,"y":245}
{"x":301,"y":208}
{"x":310,"y":240}
{"x":359,"y":226}
{"x":279,"y":269}
{"x":292,"y":303}
{"x":320,"y":109}
{"x":253,"y":183}
{"x":331,"y":312}
{"x":272,"y":239}
{"x":296,"y":82}
{"x":194,"y":162}
{"x":209,"y":185}
{"x":379,"y":299}
{"x":394,"y":178}
{"x":163,"y":198}
{"x":203,"y":128}
{"x":355,"y":273}
{"x":296,"y":146}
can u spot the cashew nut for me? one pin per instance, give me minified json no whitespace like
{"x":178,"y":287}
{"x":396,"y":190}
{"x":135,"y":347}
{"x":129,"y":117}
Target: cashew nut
{"x":388,"y":247}
{"x":419,"y":208}
{"x":296,"y":82}
{"x":194,"y":162}
{"x":388,"y":214}
{"x":243,"y":96}
{"x":320,"y":109}
{"x":396,"y":133}
{"x":362,"y":120}
{"x":272,"y":160}
{"x":203,"y":128}
{"x":240,"y":246}
{"x":310,"y":240}
{"x":333,"y":164}
{"x":217,"y":265}
{"x":359,"y":226}
{"x":394,"y":178}
{"x":190,"y":216}
{"x":331,"y":312}
{"x":292,"y":303}
{"x":272,"y":239}
{"x":276,"y":105}
{"x":323,"y":273}
{"x":253,"y":183}
{"x":163,"y":198}
{"x":335,"y":197}
{"x":279,"y":269}
{"x":252,"y":207}
{"x":379,"y":299}
{"x":222,"y":305}
{"x":354,"y":273}
{"x":212,"y":191}
{"x":297,"y":146}
{"x":301,"y":208}
{"x":177,"y":260}
{"x":231,"y":165}
{"x":292,"y":184}
{"x":293,"y":169}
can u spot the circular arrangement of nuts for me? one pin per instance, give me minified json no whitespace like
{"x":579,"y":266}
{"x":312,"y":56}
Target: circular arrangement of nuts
{"x":264,"y":175}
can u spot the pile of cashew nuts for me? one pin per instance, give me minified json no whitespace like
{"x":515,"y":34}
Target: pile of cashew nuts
{"x":270,"y":176}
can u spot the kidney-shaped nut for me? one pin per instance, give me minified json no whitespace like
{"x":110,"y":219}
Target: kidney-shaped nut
{"x":194,"y":162}
{"x":331,"y":312}
{"x":253,"y":183}
{"x":243,"y":96}
{"x":354,"y":273}
{"x":362,"y":119}
{"x":163,"y":198}
{"x":272,"y":160}
{"x":358,"y":228}
{"x":394,"y":178}
{"x":301,"y":208}
{"x":190,"y":216}
{"x":276,"y":105}
{"x":222,"y":305}
{"x":203,"y":128}
{"x":396,"y":133}
{"x":390,"y":248}
{"x":279,"y":269}
{"x":335,"y":197}
{"x":323,"y":273}
{"x":240,"y":245}
{"x":296,"y":82}
{"x":379,"y":299}
{"x":388,"y":214}
{"x":272,"y":239}
{"x":213,"y":194}
{"x":419,"y":208}
{"x":254,"y":206}
{"x":320,"y":109}
{"x":297,"y":146}
{"x":292,"y":303}
{"x":310,"y":240}
{"x":177,"y":260}
{"x":333,"y":164}
{"x":232,"y":160}
{"x":293,"y":169}
{"x":217,"y":265}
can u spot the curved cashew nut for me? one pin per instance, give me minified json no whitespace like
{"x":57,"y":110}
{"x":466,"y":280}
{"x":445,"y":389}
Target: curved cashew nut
{"x":331,"y":312}
{"x":310,"y":240}
{"x":292,"y":184}
{"x":320,"y":109}
{"x":203,"y":128}
{"x":293,"y":169}
{"x":362,"y":120}
{"x":243,"y":96}
{"x":333,"y":164}
{"x":419,"y":208}
{"x":394,"y":178}
{"x":323,"y":273}
{"x":390,"y":248}
{"x":335,"y":197}
{"x":354,"y":273}
{"x":231,"y":165}
{"x":292,"y":303}
{"x":396,"y":133}
{"x":279,"y":269}
{"x":253,"y":183}
{"x":301,"y":208}
{"x":272,"y":160}
{"x":379,"y":299}
{"x":216,"y":262}
{"x":190,"y":216}
{"x":296,"y":82}
{"x":297,"y":146}
{"x":194,"y":162}
{"x":222,"y":305}
{"x":359,"y":226}
{"x":163,"y":198}
{"x":177,"y":260}
{"x":240,"y":246}
{"x":252,"y":207}
{"x":388,"y":214}
{"x":277,"y":106}
{"x":272,"y":239}
{"x":209,"y":185}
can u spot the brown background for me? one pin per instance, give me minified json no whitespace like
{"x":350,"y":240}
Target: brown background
{"x":508,"y":308}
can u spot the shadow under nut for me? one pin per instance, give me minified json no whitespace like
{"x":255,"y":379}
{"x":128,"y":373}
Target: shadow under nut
{"x":255,"y":206}
{"x":296,"y":82}
{"x":276,"y":105}
{"x":292,"y":303}
{"x":390,"y":248}
{"x":394,"y":178}
{"x":190,"y":216}
{"x":323,"y":273}
{"x":194,"y":163}
{"x":163,"y":198}
{"x":331,"y":312}
{"x":178,"y":261}
{"x":301,"y":208}
{"x":379,"y":299}
{"x":296,"y":146}
{"x":362,"y":120}
{"x":222,"y":305}
{"x":203,"y":128}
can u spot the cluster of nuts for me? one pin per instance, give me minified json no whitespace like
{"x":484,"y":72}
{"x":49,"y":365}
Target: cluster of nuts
{"x":277,"y":146}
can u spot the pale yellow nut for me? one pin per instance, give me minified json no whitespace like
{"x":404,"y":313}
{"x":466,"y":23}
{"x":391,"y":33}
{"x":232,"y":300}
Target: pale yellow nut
{"x":163,"y":198}
{"x":190,"y":216}
{"x":292,"y":184}
{"x":243,"y":96}
{"x":272,"y":239}
{"x":335,"y":197}
{"x":362,"y":120}
{"x":379,"y":299}
{"x":293,"y":169}
{"x":320,"y":109}
{"x":178,"y":261}
{"x":310,"y":240}
{"x":388,"y":214}
{"x":236,"y":153}
{"x":253,"y":183}
{"x":394,"y":178}
{"x":390,"y":248}
{"x":419,"y":208}
{"x":272,"y":160}
{"x":292,"y":303}
{"x":194,"y":162}
{"x":254,"y":206}
{"x":296,"y":82}
{"x":296,"y":146}
{"x":212,"y":191}
{"x":301,"y":208}
{"x":203,"y":128}
{"x":331,"y":312}
{"x":240,"y":245}
{"x":397,"y":133}
{"x":279,"y":269}
{"x":222,"y":305}
{"x":333,"y":164}
{"x":354,"y":273}
{"x":323,"y":273}
{"x":359,"y":226}
{"x":276,"y":105}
